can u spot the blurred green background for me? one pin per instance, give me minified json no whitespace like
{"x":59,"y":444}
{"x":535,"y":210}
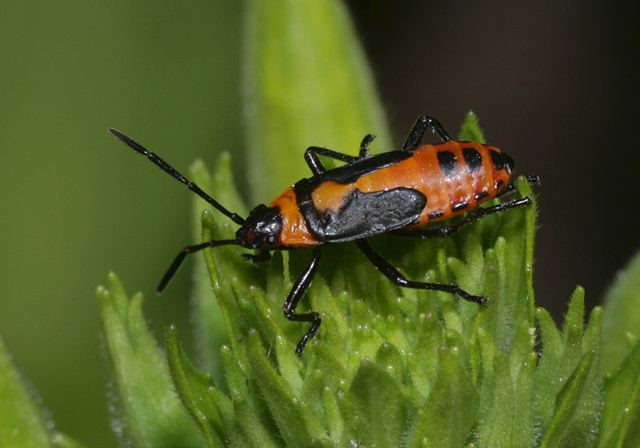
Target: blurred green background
{"x":75,"y":202}
{"x":554,"y":83}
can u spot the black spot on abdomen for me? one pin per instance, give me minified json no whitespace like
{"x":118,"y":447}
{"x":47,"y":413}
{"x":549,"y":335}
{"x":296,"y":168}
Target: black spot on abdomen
{"x":447,"y":161}
{"x":472,"y":158}
{"x":497,"y":159}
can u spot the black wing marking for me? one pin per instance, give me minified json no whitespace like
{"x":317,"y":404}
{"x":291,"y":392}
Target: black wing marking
{"x":346,"y":174}
{"x":366,"y":214}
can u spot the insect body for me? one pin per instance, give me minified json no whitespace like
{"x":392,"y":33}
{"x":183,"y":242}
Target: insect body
{"x":399,"y":192}
{"x":391,"y":191}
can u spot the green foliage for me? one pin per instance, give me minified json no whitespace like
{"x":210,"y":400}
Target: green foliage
{"x":22,"y":424}
{"x":150,"y":413}
{"x":621,"y":320}
{"x":621,"y":360}
{"x":471,"y":130}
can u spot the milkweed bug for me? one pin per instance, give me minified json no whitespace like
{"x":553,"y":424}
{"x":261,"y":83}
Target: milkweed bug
{"x":398,"y":192}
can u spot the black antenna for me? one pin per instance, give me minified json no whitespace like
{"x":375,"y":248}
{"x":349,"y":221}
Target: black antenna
{"x":175,"y":174}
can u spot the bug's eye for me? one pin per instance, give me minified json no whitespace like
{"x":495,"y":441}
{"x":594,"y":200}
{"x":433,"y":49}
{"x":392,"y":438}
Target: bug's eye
{"x":250,"y":235}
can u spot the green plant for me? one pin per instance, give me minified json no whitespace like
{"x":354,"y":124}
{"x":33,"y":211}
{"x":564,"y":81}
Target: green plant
{"x":390,"y":367}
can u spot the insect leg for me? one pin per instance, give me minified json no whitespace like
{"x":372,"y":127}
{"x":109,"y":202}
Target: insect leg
{"x":296,"y":293}
{"x":364,"y":146}
{"x":261,"y":256}
{"x":183,"y":254}
{"x":396,"y":277}
{"x":532,"y":179}
{"x":419,"y":128}
{"x":311,"y":157}
{"x":450,"y":229}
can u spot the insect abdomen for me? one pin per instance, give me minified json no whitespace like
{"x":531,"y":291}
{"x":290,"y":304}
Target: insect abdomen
{"x":456,"y":177}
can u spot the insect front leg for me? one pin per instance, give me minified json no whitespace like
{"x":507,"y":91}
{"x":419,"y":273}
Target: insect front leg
{"x":450,"y":229}
{"x":311,"y":157}
{"x":299,"y":288}
{"x":419,"y":128}
{"x":396,"y":277}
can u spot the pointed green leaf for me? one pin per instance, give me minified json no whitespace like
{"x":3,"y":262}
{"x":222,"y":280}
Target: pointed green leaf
{"x":21,"y":424}
{"x":296,"y":423}
{"x":551,"y":336}
{"x":519,"y":226}
{"x":552,"y":368}
{"x":235,"y":377}
{"x":424,"y":360}
{"x":209,"y":323}
{"x":621,"y":319}
{"x":391,"y":361}
{"x":334,"y":421}
{"x":214,"y":296}
{"x":254,"y":432}
{"x":559,"y":366}
{"x":574,"y":320}
{"x":194,"y":389}
{"x":567,"y":428}
{"x":470,"y":130}
{"x":372,"y":391}
{"x":506,"y":417}
{"x":622,"y":404}
{"x":451,"y":410}
{"x":152,"y":413}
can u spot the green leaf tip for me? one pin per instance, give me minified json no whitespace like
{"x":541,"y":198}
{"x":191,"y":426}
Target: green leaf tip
{"x":470,"y":130}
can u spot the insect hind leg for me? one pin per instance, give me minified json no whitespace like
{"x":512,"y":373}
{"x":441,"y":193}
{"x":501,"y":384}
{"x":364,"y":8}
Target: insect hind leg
{"x":449,"y":229}
{"x":419,"y":128}
{"x":532,"y":179}
{"x":396,"y":277}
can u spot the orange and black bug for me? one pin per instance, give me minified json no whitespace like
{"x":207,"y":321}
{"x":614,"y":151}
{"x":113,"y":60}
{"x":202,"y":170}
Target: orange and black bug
{"x":398,"y":192}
